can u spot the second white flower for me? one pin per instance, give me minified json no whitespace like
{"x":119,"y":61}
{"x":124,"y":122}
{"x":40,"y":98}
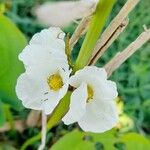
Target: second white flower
{"x":92,"y":102}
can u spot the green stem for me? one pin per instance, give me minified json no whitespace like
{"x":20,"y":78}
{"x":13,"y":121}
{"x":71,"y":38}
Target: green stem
{"x":103,"y":10}
{"x":56,"y":116}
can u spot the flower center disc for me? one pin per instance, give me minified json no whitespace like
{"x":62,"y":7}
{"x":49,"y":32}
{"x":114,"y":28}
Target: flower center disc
{"x":90,"y":93}
{"x":55,"y":82}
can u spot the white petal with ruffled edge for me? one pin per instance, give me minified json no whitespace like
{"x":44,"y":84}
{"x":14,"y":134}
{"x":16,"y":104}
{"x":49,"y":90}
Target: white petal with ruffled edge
{"x":100,"y":116}
{"x":97,"y":78}
{"x":47,"y":45}
{"x":87,"y":73}
{"x":53,"y":37}
{"x":77,"y":105}
{"x":30,"y":91}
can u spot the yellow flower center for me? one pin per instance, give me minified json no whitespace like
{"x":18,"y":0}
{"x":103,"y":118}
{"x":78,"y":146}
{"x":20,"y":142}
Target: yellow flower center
{"x":90,"y":93}
{"x":55,"y":82}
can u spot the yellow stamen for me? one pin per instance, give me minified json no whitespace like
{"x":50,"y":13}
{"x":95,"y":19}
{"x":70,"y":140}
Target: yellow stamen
{"x":90,"y":93}
{"x":55,"y":82}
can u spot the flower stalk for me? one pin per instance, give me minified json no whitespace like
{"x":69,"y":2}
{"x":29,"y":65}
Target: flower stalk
{"x":56,"y":116}
{"x":43,"y":139}
{"x":103,"y":10}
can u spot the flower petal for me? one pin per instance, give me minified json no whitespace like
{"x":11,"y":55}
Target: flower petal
{"x":45,"y":36}
{"x":64,"y":72}
{"x":97,"y":79}
{"x":77,"y":105}
{"x":112,"y":91}
{"x":53,"y":97}
{"x":33,"y":104}
{"x":55,"y":17}
{"x":44,"y":46}
{"x":37,"y":54}
{"x":100,"y":116}
{"x":104,"y":89}
{"x":50,"y":104}
{"x":42,"y":72}
{"x":100,"y":72}
{"x":86,"y":73}
{"x":30,"y":91}
{"x":53,"y":37}
{"x":33,"y":54}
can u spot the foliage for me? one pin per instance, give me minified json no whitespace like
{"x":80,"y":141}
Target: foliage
{"x":11,"y":44}
{"x":77,"y":140}
{"x":2,"y":112}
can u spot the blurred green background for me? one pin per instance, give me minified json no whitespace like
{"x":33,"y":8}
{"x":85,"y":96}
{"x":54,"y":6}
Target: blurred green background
{"x":132,"y":78}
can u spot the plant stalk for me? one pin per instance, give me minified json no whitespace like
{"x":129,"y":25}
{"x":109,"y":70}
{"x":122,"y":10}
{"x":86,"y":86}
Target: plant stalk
{"x":56,"y":116}
{"x":103,"y":10}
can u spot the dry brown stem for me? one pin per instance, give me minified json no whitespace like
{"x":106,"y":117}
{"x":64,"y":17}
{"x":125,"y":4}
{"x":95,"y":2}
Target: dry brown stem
{"x":19,"y":125}
{"x":109,"y":41}
{"x":121,"y":57}
{"x":80,"y":30}
{"x":111,"y":29}
{"x":33,"y":118}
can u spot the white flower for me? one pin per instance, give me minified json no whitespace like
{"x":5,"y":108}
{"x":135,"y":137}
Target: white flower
{"x":46,"y":79}
{"x":62,"y":13}
{"x":92,"y":102}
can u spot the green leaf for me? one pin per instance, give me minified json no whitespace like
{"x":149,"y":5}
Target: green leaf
{"x":136,"y":141}
{"x":74,"y":141}
{"x":2,"y":114}
{"x":12,"y":41}
{"x":107,"y":139}
{"x":77,"y":140}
